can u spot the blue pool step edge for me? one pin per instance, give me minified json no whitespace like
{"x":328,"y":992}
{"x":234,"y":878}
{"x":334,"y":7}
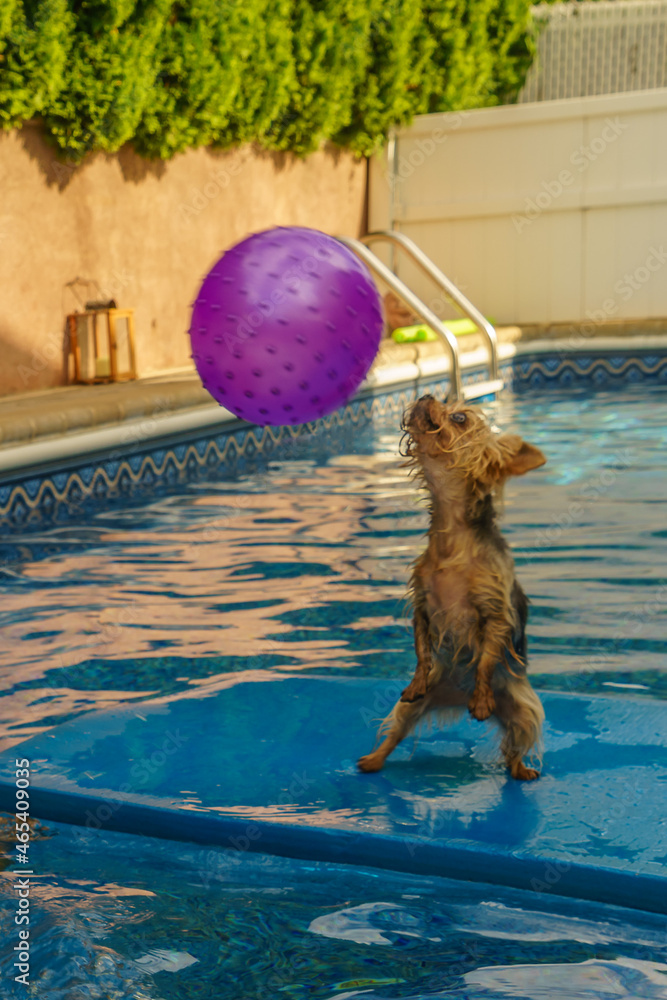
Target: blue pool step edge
{"x":592,"y":827}
{"x":462,"y":862}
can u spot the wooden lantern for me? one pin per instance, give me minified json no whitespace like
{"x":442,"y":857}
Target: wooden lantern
{"x":101,"y":343}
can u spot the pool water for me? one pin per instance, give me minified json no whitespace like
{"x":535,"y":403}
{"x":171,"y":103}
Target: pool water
{"x":162,"y":921}
{"x":301,"y":567}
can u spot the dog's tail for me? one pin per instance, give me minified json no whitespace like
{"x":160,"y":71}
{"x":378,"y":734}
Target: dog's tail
{"x":521,"y":715}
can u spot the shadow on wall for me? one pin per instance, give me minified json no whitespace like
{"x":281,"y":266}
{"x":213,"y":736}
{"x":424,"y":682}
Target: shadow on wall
{"x":59,"y":172}
{"x":25,"y":368}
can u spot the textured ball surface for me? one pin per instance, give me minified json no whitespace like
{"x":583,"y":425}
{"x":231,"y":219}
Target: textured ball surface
{"x":286,"y":326}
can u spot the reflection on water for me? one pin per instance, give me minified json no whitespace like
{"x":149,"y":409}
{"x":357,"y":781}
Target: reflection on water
{"x":302,"y":567}
{"x":167,"y":921}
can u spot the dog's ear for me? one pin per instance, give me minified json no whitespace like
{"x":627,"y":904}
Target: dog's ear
{"x":519,"y":456}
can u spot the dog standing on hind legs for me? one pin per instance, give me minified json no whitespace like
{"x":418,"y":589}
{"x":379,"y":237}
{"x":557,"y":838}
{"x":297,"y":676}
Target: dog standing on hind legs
{"x":469,"y":610}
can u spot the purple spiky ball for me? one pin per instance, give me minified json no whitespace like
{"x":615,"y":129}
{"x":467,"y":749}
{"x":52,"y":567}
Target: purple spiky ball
{"x":286,"y":326}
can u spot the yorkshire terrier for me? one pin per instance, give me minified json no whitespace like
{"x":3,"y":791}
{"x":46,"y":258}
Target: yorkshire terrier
{"x":469,"y":610}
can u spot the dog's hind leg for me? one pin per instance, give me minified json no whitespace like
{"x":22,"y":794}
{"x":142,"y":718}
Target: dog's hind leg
{"x":406,"y":713}
{"x":520,"y":713}
{"x":398,"y":724}
{"x":482,"y":702}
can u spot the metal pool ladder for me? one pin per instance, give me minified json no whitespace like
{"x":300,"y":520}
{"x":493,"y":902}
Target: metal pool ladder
{"x":455,"y":296}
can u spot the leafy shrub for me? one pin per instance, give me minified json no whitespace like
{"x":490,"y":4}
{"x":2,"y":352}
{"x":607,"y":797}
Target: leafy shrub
{"x":388,"y":94}
{"x":331,"y":59}
{"x":35,"y":40}
{"x":288,"y":74}
{"x":109,"y":75}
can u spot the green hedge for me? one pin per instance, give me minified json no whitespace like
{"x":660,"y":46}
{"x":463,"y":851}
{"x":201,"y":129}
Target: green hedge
{"x":35,"y":41}
{"x":286,"y":74}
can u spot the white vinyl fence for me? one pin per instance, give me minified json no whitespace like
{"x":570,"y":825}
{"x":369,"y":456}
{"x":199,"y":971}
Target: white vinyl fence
{"x":606,"y":47}
{"x":541,"y":213}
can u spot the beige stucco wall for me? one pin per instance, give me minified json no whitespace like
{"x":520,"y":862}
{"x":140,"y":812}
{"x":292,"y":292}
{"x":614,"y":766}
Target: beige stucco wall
{"x":146,"y":232}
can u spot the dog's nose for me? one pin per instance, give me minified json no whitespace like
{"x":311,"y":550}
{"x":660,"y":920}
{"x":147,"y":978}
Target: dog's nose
{"x":422,"y":411}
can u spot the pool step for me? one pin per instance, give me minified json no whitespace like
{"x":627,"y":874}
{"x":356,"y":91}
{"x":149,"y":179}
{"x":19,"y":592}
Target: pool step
{"x":269,"y":766}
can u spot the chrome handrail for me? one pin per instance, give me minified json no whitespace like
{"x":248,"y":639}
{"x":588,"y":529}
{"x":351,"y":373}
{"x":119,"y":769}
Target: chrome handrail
{"x":450,"y":289}
{"x":412,"y":302}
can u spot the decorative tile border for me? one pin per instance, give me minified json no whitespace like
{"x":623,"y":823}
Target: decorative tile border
{"x":148,"y":469}
{"x":53,"y":497}
{"x":531,"y":371}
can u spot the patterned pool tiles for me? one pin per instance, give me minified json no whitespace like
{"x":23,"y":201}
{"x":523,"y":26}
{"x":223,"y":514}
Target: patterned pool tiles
{"x":530,"y":371}
{"x":33,"y":499}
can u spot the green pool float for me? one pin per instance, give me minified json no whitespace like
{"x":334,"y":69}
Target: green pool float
{"x":422,"y":332}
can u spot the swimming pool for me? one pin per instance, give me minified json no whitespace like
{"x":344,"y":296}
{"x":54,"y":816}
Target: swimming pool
{"x":300,"y":569}
{"x":163,"y":921}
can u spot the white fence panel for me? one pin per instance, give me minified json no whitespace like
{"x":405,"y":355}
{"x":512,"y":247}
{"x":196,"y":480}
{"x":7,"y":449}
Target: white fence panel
{"x":541,"y":213}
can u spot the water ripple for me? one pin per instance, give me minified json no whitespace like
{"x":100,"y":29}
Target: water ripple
{"x":303,"y":566}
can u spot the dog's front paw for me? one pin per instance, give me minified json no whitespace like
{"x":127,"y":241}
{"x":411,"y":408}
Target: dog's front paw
{"x":523,"y":773}
{"x":371,"y":762}
{"x":482,"y":705}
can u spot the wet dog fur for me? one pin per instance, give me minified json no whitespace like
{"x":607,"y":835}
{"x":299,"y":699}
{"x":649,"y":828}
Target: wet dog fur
{"x":469,"y":610}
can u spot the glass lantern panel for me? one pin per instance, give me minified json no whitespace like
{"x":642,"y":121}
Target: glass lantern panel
{"x":102,"y":359}
{"x":123,"y":356}
{"x":86,"y":341}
